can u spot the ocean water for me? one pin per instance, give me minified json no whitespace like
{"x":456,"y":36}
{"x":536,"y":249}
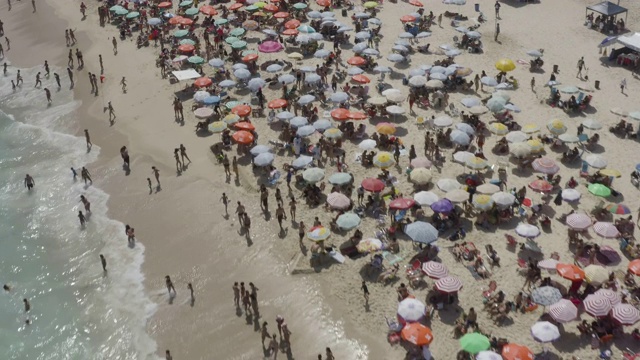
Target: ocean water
{"x":77,"y":311}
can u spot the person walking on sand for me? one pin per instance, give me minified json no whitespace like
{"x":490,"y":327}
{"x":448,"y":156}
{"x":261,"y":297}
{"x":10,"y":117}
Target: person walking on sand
{"x":86,"y":176}
{"x":8,"y":42}
{"x":103,"y":261}
{"x":580,"y":67}
{"x":101,"y":65}
{"x":247,"y":223}
{"x":115,"y":45}
{"x":70,"y":73}
{"x":264,"y":198}
{"x":167,"y":355}
{"x":124,"y":153}
{"x":234,"y":166}
{"x":497,"y":32}
{"x":86,"y":203}
{"x":156,"y":173}
{"x":27,"y":305}
{"x":170,"y":286}
{"x":280,"y":215}
{"x":47,"y":71}
{"x":19,"y":79}
{"x":225,"y":163}
{"x":329,"y":355}
{"x":264,"y":332}
{"x":301,"y":232}
{"x":70,"y":59}
{"x":75,"y":174}
{"x":95,"y":81}
{"x":225,"y":201}
{"x":88,"y":139}
{"x":150,"y":185}
{"x":292,"y":208}
{"x":82,"y":218}
{"x":623,"y":84}
{"x":497,"y":6}
{"x":365,"y":292}
{"x":176,"y":155}
{"x":93,"y":85}
{"x":273,"y":346}
{"x":240,"y":212}
{"x":33,"y":3}
{"x":29,"y":183}
{"x":123,"y":82}
{"x":236,"y":294}
{"x":48,"y":94}
{"x":112,"y":113}
{"x":183,"y":154}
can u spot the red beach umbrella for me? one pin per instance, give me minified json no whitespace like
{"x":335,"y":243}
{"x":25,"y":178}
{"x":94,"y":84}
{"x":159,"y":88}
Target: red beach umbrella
{"x":570,"y":272}
{"x":208,"y":10}
{"x":634,"y":266}
{"x":244,"y":125}
{"x":277,"y":103}
{"x":340,"y":114}
{"x":281,"y":15}
{"x":449,"y":284}
{"x":373,"y":184}
{"x":250,"y":58}
{"x":402,"y":204}
{"x":236,"y":6}
{"x":324,"y":3}
{"x":356,"y":115}
{"x":185,"y":21}
{"x":541,"y":185}
{"x":292,"y":24}
{"x":271,"y":8}
{"x":187,"y":48}
{"x":408,"y":18}
{"x":356,"y":60}
{"x":290,"y":32}
{"x":203,"y":82}
{"x":241,"y":110}
{"x":362,"y":79}
{"x":175,"y":20}
{"x":164,"y":5}
{"x":416,"y":3}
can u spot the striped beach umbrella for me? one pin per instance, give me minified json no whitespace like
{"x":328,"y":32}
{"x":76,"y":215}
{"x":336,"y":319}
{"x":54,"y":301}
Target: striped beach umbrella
{"x":596,"y":305}
{"x":606,"y":229}
{"x":384,"y":160}
{"x":556,"y":127}
{"x":563,"y":311}
{"x":611,"y":295}
{"x":618,"y":209}
{"x":435,"y":270}
{"x":449,"y":284}
{"x":545,"y":165}
{"x":625,"y":314}
{"x":337,"y":200}
{"x":541,"y":185}
{"x":579,"y":221}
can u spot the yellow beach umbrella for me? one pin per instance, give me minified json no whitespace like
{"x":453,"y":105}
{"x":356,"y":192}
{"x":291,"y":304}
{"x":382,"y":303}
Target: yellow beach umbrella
{"x":370,"y":4}
{"x":536,"y":145}
{"x":498,"y":128}
{"x":482,"y":202}
{"x":476,"y":163}
{"x":260,"y":4}
{"x":231,"y":119}
{"x":530,"y":128}
{"x":217,"y":126}
{"x":505,"y":65}
{"x":610,"y":172}
{"x":295,"y":55}
{"x":386,"y":128}
{"x":420,"y":176}
{"x":383,"y":160}
{"x":557,"y":127}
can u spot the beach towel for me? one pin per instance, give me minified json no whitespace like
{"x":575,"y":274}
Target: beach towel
{"x":473,"y":272}
{"x":337,"y":257}
{"x":391,"y":258}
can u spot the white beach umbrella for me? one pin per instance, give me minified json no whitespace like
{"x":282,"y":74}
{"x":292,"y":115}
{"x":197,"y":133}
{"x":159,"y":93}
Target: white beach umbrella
{"x":418,"y":81}
{"x":285,"y":115}
{"x":527,"y":230}
{"x":592,"y":124}
{"x":437,"y":69}
{"x":264,"y":159}
{"x":367,"y":144}
{"x":354,"y":70}
{"x":242,"y":74}
{"x":360,"y":47}
{"x":371,"y":52}
{"x":287,"y":79}
{"x":269,"y":32}
{"x":400,"y":48}
{"x":216,"y":63}
{"x":434,"y":84}
{"x":503,"y":198}
{"x":438,"y":76}
{"x":227,"y":83}
{"x":570,"y":195}
{"x":422,"y":35}
{"x":322,"y":124}
{"x":406,"y":35}
{"x":447,"y":185}
{"x":466,"y":128}
{"x":516,"y":137}
{"x":339,"y":97}
{"x":256,"y":83}
{"x":443,"y":121}
{"x":199,"y":96}
{"x":259,"y":149}
{"x":312,"y":78}
{"x":302,"y":161}
{"x":417,"y":72}
{"x":462,"y":157}
{"x":363,"y":35}
{"x":305,"y":131}
{"x":395,"y":110}
{"x":395,"y":57}
{"x":425,"y":198}
{"x":596,"y":161}
{"x":306,"y":99}
{"x":321,"y":54}
{"x":488,"y":355}
{"x":470,"y":101}
{"x":489,"y":81}
{"x":544,"y":331}
{"x":299,"y":121}
{"x":274,"y":68}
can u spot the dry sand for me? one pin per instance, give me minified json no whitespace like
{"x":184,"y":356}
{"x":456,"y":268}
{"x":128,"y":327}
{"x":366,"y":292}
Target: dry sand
{"x":188,"y":237}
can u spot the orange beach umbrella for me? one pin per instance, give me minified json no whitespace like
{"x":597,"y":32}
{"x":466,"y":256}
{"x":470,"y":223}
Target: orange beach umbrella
{"x":241,"y":110}
{"x":243,"y":137}
{"x":277,"y":103}
{"x":417,"y":334}
{"x":516,"y":352}
{"x":634,"y":266}
{"x":208,"y":10}
{"x":244,"y":125}
{"x":340,"y":114}
{"x":570,"y":272}
{"x":186,"y":48}
{"x":164,"y":5}
{"x":202,"y":82}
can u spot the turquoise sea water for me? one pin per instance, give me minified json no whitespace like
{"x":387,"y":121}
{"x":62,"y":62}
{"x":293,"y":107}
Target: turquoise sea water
{"x":77,"y":311}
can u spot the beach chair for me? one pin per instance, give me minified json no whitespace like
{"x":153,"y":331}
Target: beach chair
{"x":420,"y":122}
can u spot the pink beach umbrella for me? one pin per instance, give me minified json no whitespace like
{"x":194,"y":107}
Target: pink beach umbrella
{"x":611,"y":295}
{"x":545,"y":166}
{"x":596,"y":305}
{"x":625,"y":314}
{"x":435,"y":270}
{"x":449,"y":284}
{"x":421,"y":162}
{"x":270,"y":47}
{"x":338,"y":201}
{"x":606,"y":229}
{"x":563,"y":311}
{"x":411,"y":310}
{"x":579,"y":221}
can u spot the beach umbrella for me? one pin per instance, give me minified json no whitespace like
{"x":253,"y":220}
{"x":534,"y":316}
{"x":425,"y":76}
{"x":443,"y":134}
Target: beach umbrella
{"x":270,"y":47}
{"x":579,"y":221}
{"x":610,"y":295}
{"x":417,"y":333}
{"x":239,"y":66}
{"x":313,"y":175}
{"x":421,"y":162}
{"x":373,"y":184}
{"x":321,"y":54}
{"x":527,"y":230}
{"x":425,"y":198}
{"x":348,"y":221}
{"x":505,"y":65}
{"x":340,"y":178}
{"x":443,"y":121}
{"x":548,"y":264}
{"x":521,"y":149}
{"x":237,"y":32}
{"x":199,"y":96}
{"x":570,"y":272}
{"x":420,"y":176}
{"x":367,"y":144}
{"x":634,"y":266}
{"x":314,"y":14}
{"x":474,"y":342}
{"x":516,"y":352}
{"x":423,"y":34}
{"x":333,"y":133}
{"x":556,"y":127}
{"x":475,"y":162}
{"x":592,"y":124}
{"x":599,"y":190}
{"x":503,"y":199}
{"x":466,"y":128}
{"x":462,"y":156}
{"x":305,"y":131}
{"x":437,"y":69}
{"x":438,"y":76}
{"x":382,"y":69}
{"x":394,"y":110}
{"x":620,"y":112}
{"x":544,"y":331}
{"x":256,"y":84}
{"x":306,"y":29}
{"x":488,"y":189}
{"x":625,"y":314}
{"x":489,"y":81}
{"x":277,"y":103}
{"x":606,"y":229}
{"x":435,"y":270}
{"x":541,"y":185}
{"x":447,"y":185}
{"x":596,"y":161}
{"x":514,"y":136}
{"x":596,"y":305}
{"x":243,"y":137}
{"x":285,"y":115}
{"x":545,"y":165}
{"x":135,"y":14}
{"x":186,"y":3}
{"x":216,"y":63}
{"x":180,"y":33}
{"x":217,"y":126}
{"x":407,"y":18}
{"x":371,"y":52}
{"x":496,"y":104}
{"x":269,"y":32}
{"x":501,"y":129}
{"x":434,"y":84}
{"x":361,"y":79}
{"x":386,"y":128}
{"x":457,"y":196}
{"x":384,"y":160}
{"x":596,"y":274}
{"x":274,"y":68}
{"x":302,"y":161}
{"x":300,"y":121}
{"x":530,"y":128}
{"x":339,"y":97}
{"x":359,"y":48}
{"x":227,"y":83}
{"x":563,"y":311}
{"x":488,"y":355}
{"x":377,"y":100}
{"x":395,"y":58}
{"x":442,"y":206}
{"x":264,"y":159}
{"x":239,"y":44}
{"x":635,"y":115}
{"x":231,"y":119}
{"x":402,"y":204}
{"x":546,"y":295}
{"x":154,"y":21}
{"x":208,"y":10}
{"x":569,"y":90}
{"x":482,"y":202}
{"x":203,"y":113}
{"x":421,"y":232}
{"x":242,"y":74}
{"x":287,"y":79}
{"x":259,"y":149}
{"x":418,"y":81}
{"x":411,"y":310}
{"x":369,"y":245}
{"x":536,"y":145}
{"x":122,"y":11}
{"x":569,"y":138}
{"x":318,"y":233}
{"x":611,"y":172}
{"x":417,"y":72}
{"x":306,"y":99}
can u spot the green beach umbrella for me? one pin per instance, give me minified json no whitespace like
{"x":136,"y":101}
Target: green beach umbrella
{"x":252,"y":8}
{"x":133,"y":15}
{"x":300,"y":6}
{"x":196,"y":60}
{"x":599,"y":190}
{"x":370,"y":4}
{"x":221,"y":21}
{"x":231,"y":39}
{"x":192,"y":11}
{"x":340,"y":178}
{"x":260,"y":4}
{"x":122,"y":11}
{"x":180,"y":33}
{"x":237,"y":32}
{"x":239,"y":44}
{"x":473,"y":343}
{"x":115,"y":8}
{"x":187,"y":42}
{"x":231,"y":104}
{"x":249,"y":52}
{"x":217,"y":126}
{"x":348,"y":221}
{"x":186,"y":3}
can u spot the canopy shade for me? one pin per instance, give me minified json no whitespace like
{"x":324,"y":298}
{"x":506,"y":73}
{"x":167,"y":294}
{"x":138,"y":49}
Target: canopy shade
{"x":186,"y":74}
{"x":607,"y":8}
{"x":630,"y":41}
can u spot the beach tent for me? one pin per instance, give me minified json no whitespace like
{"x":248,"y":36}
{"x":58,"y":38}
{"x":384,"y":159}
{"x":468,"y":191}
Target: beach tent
{"x":631,"y":41}
{"x":186,"y":74}
{"x":607,"y":8}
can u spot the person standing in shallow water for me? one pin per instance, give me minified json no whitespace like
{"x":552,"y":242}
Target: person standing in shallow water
{"x":82,"y":219}
{"x":103,"y":261}
{"x":29,"y":183}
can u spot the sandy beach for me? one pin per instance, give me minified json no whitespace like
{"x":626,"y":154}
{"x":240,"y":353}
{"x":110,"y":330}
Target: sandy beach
{"x":188,"y":236}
